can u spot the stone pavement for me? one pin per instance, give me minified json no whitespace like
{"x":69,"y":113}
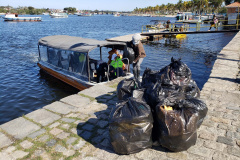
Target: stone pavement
{"x":76,"y":127}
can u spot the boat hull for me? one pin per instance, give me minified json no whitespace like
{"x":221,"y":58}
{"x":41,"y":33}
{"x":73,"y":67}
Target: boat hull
{"x":23,"y":19}
{"x":64,"y":78}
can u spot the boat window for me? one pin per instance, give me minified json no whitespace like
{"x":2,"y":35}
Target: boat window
{"x":68,"y":60}
{"x":78,"y":63}
{"x":63,"y":59}
{"x":52,"y":56}
{"x":43,"y":53}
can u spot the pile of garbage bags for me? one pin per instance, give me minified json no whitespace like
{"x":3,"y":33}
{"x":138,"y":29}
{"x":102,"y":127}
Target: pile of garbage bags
{"x":166,"y":108}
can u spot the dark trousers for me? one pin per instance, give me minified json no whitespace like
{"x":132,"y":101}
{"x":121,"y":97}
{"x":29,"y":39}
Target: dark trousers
{"x":136,"y":69}
{"x":114,"y":73}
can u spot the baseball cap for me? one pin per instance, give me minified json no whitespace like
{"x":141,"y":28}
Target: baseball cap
{"x":136,"y":38}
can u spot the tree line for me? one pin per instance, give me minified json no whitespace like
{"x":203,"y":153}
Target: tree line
{"x":22,"y":10}
{"x":195,"y":6}
{"x":31,"y":10}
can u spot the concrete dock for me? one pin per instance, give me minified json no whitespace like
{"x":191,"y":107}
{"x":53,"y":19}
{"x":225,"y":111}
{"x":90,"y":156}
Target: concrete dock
{"x":76,"y":127}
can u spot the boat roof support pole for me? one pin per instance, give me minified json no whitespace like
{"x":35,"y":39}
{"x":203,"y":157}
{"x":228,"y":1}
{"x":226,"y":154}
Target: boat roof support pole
{"x":100,"y":53}
{"x":88,"y":67}
{"x":39,"y":57}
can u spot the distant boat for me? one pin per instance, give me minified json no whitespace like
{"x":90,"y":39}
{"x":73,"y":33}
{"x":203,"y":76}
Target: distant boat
{"x":85,"y":14}
{"x":59,"y":15}
{"x":15,"y":18}
{"x":45,"y":13}
{"x":117,"y":14}
{"x":156,"y":26}
{"x":183,"y":15}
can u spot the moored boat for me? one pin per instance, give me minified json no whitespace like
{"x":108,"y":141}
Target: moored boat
{"x":15,"y":18}
{"x":117,"y":14}
{"x":76,"y":60}
{"x":59,"y":15}
{"x":87,"y":14}
{"x":156,"y":26}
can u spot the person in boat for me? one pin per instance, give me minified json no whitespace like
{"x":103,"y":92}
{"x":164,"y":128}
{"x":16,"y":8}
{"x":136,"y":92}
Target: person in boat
{"x":139,"y":53}
{"x":116,"y":67}
{"x":213,"y":23}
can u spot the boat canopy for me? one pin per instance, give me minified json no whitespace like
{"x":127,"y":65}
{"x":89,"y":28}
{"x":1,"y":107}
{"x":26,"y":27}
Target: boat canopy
{"x":78,"y":44}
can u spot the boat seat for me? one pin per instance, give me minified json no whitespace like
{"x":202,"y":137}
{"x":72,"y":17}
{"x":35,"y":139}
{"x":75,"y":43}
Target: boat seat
{"x":93,"y":70}
{"x":98,"y":68}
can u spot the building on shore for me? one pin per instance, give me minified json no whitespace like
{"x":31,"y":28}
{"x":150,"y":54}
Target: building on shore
{"x":233,"y":13}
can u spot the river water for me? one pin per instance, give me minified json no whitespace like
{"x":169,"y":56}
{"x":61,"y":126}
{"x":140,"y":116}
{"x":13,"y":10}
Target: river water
{"x":23,"y":88}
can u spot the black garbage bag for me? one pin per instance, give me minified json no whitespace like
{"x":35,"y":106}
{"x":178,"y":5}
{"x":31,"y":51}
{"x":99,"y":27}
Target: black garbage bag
{"x":177,"y":128}
{"x":125,"y":88}
{"x":176,"y":73}
{"x":150,"y":77}
{"x":191,"y":89}
{"x":200,"y":106}
{"x":139,"y":94}
{"x":157,"y":92}
{"x":130,"y":126}
{"x":129,"y":53}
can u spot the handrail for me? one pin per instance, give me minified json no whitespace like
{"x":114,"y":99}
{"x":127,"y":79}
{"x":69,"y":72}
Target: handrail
{"x":185,"y":27}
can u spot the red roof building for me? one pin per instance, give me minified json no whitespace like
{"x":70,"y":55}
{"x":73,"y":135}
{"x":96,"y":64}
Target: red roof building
{"x":233,"y":8}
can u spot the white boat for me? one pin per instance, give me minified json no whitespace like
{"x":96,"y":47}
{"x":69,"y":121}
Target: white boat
{"x":117,"y":14}
{"x":183,"y":15}
{"x":87,"y":14}
{"x":59,"y":15}
{"x":156,"y":26}
{"x":14,"y":17}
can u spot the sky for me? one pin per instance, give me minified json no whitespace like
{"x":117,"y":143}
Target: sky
{"x":114,"y":5}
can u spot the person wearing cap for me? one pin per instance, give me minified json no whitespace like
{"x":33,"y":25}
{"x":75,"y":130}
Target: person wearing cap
{"x":139,"y":55}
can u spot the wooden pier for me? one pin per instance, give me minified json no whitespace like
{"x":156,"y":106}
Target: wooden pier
{"x":150,"y":36}
{"x":190,"y":32}
{"x":126,"y":38}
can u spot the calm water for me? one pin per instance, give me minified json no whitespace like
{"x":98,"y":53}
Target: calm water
{"x":23,"y":88}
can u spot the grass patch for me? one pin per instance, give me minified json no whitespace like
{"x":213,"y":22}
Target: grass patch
{"x":32,"y":121}
{"x":114,"y":85}
{"x":91,"y":98}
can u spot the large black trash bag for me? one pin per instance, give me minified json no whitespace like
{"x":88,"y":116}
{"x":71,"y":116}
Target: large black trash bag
{"x":200,"y":106}
{"x":191,"y":89}
{"x":125,"y":88}
{"x":130,"y":126}
{"x":176,"y":73}
{"x":129,"y":53}
{"x":149,"y":77}
{"x":157,"y":92}
{"x":139,"y":94}
{"x":177,"y":128}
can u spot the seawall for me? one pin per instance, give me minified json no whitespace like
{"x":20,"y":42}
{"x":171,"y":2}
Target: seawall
{"x":76,"y":127}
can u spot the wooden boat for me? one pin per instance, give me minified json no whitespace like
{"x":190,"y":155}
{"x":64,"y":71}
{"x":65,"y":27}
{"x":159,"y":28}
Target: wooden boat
{"x":75,"y":60}
{"x":14,"y":18}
